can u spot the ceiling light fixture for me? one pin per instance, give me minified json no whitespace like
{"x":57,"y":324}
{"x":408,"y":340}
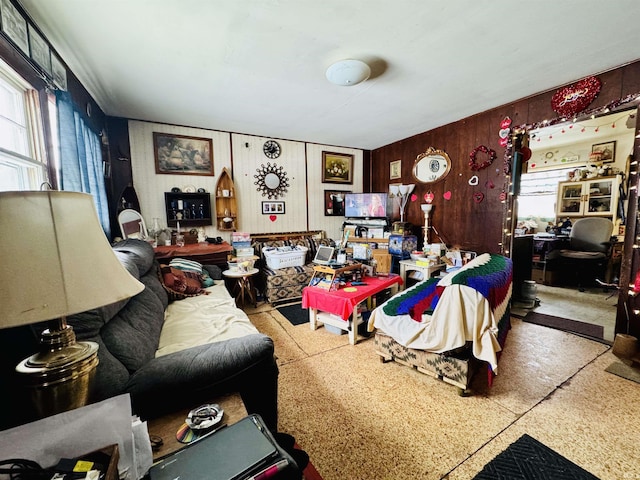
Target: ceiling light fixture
{"x":348,"y":72}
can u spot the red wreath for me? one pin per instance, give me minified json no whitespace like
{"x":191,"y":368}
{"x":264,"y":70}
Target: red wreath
{"x":575,"y":98}
{"x":479,"y":166}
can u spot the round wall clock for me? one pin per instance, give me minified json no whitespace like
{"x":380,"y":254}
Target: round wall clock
{"x":271,"y":149}
{"x":431,"y":166}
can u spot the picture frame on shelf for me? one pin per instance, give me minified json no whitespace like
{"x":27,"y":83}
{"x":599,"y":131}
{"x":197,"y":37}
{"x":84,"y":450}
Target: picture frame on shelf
{"x":337,"y":168}
{"x":395,"y":170}
{"x":603,"y":152}
{"x":334,"y":203}
{"x":40,"y":51}
{"x":14,"y":25}
{"x":182,"y":154}
{"x":273,"y":208}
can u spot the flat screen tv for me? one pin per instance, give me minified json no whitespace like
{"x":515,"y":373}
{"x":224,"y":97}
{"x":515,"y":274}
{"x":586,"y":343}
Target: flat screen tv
{"x":366,"y":205}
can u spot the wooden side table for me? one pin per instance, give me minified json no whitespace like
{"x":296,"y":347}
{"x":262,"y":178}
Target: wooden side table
{"x":167,"y":426}
{"x":407,"y":266}
{"x":244,"y":285}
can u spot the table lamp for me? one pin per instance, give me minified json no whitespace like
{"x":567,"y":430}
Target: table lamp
{"x":57,"y":261}
{"x":401,"y":193}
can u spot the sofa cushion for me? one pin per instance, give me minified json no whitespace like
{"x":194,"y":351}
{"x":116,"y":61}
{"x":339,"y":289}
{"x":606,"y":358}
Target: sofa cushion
{"x":201,"y":320}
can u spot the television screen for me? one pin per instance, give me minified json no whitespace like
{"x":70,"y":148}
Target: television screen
{"x":365,"y":205}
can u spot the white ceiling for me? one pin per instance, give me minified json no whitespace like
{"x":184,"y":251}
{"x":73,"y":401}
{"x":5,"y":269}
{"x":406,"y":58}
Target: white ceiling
{"x":258,"y":66}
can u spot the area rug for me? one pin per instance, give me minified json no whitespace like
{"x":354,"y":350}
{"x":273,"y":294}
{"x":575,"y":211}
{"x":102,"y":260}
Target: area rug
{"x":294,"y":313}
{"x":528,"y":459}
{"x":568,"y":325}
{"x":624,"y":371}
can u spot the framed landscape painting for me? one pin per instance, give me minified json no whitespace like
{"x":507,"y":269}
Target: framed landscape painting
{"x":179,"y":154}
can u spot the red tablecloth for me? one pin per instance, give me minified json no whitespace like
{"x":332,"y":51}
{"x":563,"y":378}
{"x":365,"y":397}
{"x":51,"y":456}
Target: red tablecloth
{"x":341,"y":302}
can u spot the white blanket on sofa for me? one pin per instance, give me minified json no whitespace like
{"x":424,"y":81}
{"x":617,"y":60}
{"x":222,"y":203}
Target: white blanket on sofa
{"x":203,"y":319}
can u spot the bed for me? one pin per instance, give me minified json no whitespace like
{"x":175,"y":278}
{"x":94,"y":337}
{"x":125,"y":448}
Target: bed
{"x":448,"y":327}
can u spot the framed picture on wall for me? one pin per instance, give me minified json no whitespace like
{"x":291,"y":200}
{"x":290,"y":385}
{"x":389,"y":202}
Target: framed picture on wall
{"x":40,"y":51}
{"x":14,"y":25}
{"x":272,"y":208}
{"x":603,"y":152}
{"x":182,"y":155}
{"x":395,"y":170}
{"x":334,"y":203}
{"x":337,"y":168}
{"x":58,"y":72}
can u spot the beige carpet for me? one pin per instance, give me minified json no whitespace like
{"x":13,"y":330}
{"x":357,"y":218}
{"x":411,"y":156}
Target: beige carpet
{"x":361,"y":419}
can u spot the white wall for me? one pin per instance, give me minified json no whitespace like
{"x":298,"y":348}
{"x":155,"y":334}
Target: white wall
{"x":243,"y":155}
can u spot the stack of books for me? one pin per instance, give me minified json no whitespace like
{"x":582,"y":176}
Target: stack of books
{"x":241,"y":243}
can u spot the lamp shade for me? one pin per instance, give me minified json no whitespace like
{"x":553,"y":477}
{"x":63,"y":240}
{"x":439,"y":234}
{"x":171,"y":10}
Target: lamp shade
{"x":57,"y":260}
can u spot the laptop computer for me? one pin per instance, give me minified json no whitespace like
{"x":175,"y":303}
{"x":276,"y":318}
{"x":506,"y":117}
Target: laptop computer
{"x":228,"y":454}
{"x":324,"y":255}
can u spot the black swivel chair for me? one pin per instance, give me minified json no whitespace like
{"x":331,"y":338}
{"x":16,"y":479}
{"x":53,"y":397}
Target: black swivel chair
{"x":589,"y":250}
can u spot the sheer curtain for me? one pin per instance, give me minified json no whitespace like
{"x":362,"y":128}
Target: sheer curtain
{"x":81,"y":157}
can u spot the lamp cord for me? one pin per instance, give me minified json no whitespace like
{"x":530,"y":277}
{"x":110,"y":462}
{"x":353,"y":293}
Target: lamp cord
{"x":23,"y":469}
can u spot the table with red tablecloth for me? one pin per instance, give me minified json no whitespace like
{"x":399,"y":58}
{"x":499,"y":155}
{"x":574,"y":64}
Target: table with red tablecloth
{"x":340,"y":306}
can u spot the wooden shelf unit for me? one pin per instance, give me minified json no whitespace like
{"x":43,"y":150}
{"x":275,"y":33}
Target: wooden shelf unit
{"x":190,"y":209}
{"x":226,"y":203}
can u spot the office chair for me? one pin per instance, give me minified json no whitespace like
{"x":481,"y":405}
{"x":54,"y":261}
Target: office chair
{"x":589,"y":249}
{"x":132,"y":224}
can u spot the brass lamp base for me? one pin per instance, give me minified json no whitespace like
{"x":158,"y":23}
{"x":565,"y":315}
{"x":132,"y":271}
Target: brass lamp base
{"x":59,"y":377}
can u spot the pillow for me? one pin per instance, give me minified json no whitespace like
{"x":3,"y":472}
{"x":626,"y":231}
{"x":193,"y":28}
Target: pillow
{"x":186,"y":265}
{"x":214,"y":271}
{"x":180,"y":284}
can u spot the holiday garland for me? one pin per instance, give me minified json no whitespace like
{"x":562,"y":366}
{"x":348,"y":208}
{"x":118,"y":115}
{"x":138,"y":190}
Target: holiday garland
{"x":479,"y":166}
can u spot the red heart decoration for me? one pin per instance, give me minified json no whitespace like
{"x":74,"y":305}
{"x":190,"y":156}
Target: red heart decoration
{"x":478,"y":197}
{"x":447,"y":195}
{"x":505,"y":123}
{"x":526,"y":153}
{"x":575,"y":98}
{"x":273,"y":217}
{"x":503,"y":142}
{"x":503,"y":196}
{"x":414,"y":197}
{"x":428,"y":197}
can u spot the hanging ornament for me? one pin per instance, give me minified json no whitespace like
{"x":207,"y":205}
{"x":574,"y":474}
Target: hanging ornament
{"x":429,"y":197}
{"x":473,"y":181}
{"x":478,"y":197}
{"x":575,"y":98}
{"x":479,"y":166}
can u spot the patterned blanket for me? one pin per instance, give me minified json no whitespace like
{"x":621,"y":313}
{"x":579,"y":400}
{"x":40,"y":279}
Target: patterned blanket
{"x":439,"y":315}
{"x":492,"y":279}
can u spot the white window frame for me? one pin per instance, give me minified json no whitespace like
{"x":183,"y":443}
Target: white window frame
{"x":23,"y":170}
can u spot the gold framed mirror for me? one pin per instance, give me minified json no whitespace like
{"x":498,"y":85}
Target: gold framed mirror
{"x":431,"y":166}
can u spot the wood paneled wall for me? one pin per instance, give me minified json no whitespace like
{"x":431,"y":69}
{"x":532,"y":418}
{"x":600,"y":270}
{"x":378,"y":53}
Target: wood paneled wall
{"x":462,"y":221}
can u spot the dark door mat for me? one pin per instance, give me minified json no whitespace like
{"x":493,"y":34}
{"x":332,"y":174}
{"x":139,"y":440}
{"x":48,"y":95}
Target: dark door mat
{"x":528,"y":459}
{"x":294,"y":313}
{"x":624,"y":371}
{"x":568,"y":325}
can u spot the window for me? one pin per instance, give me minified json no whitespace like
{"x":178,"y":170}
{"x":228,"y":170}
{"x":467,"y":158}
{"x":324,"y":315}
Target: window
{"x":538,"y":193}
{"x":21,"y":137}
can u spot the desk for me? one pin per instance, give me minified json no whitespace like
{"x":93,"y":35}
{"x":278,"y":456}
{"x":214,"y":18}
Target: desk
{"x":167,"y":426}
{"x":245,"y":287}
{"x":543,"y":246}
{"x":205,"y":253}
{"x":344,"y":303}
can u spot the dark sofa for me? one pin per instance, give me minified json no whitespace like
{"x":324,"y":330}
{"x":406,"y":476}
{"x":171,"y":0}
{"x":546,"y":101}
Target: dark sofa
{"x":128,"y":334}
